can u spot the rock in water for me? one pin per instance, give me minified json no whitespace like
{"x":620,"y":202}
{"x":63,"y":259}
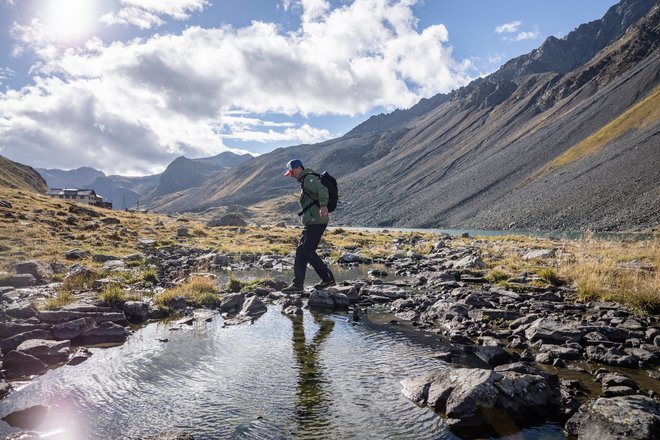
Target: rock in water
{"x":28,"y":418}
{"x":468,"y":395}
{"x":626,"y":417}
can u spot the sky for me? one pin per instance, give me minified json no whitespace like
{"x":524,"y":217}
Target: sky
{"x":126,"y":86}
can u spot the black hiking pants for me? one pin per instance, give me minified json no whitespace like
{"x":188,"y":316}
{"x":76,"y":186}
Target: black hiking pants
{"x":306,"y":253}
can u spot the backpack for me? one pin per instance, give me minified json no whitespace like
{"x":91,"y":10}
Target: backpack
{"x":333,"y":192}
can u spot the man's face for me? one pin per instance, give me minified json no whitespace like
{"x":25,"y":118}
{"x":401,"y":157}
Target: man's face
{"x":296,"y":172}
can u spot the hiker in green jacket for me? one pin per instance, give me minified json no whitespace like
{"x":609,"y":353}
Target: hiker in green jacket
{"x":314,"y":217}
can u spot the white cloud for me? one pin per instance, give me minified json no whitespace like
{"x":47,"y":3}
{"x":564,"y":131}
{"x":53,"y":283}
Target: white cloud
{"x":530,"y":35}
{"x":152,"y":13}
{"x":132,"y":106}
{"x":508,"y":28}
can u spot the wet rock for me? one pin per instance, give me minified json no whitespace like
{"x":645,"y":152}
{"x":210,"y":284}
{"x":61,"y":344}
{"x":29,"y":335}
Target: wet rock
{"x":628,"y":417}
{"x":494,"y":314}
{"x":5,"y":388}
{"x":539,"y":253}
{"x":18,"y":364}
{"x":383,"y":292}
{"x":231,"y":301}
{"x":612,"y":356}
{"x":562,"y":352}
{"x":19,"y":280}
{"x":321,"y":299}
{"x":79,"y":356}
{"x":38,"y":269}
{"x":61,"y":316}
{"x":253,"y":307}
{"x":493,"y":355}
{"x":47,"y":351}
{"x":107,"y":332}
{"x":73,"y":329}
{"x":349,"y":258}
{"x":136,"y":311}
{"x":292,"y":310}
{"x":28,"y":418}
{"x":466,"y":395}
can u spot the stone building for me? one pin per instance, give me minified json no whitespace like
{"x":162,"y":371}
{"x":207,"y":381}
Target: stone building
{"x":86,"y":196}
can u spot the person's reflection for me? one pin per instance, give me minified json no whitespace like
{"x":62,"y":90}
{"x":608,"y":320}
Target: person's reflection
{"x":312,"y":409}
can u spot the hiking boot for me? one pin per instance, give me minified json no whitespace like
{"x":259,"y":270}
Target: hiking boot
{"x":324,"y":284}
{"x":292,"y":288}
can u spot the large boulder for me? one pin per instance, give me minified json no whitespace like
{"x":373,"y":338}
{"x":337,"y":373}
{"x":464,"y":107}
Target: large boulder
{"x":253,"y":307}
{"x":468,"y":396}
{"x":627,"y":417}
{"x":227,"y":220}
{"x":136,"y":311}
{"x":551,"y":331}
{"x":73,"y":329}
{"x":321,"y":299}
{"x":231,"y":301}
{"x":18,"y":364}
{"x":38,"y":269}
{"x":469,"y":262}
{"x":107,"y":332}
{"x":47,"y":351}
{"x":12,"y":342}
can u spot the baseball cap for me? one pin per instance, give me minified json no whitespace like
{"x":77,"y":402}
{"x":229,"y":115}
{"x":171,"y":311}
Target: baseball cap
{"x":295,"y":163}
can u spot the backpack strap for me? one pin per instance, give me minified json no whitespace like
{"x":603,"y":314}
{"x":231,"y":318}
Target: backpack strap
{"x":314,"y":202}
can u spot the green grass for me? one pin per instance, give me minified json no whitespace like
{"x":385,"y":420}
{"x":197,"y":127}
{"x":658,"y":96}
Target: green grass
{"x":496,"y":275}
{"x":549,"y":275}
{"x":150,"y":276}
{"x":82,"y":281}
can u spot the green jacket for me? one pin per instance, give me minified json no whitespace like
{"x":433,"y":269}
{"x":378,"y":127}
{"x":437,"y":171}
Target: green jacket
{"x":314,"y":188}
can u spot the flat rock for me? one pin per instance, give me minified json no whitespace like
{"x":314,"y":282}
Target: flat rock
{"x":73,"y":329}
{"x":469,"y":262}
{"x":612,"y":356}
{"x":38,"y":269}
{"x":627,"y":417}
{"x":47,"y":351}
{"x":60,"y":316}
{"x":106,"y":332}
{"x":386,"y":291}
{"x":19,"y":280}
{"x":9,"y":329}
{"x":550,"y":331}
{"x":21,"y":311}
{"x":539,"y":253}
{"x":321,"y":299}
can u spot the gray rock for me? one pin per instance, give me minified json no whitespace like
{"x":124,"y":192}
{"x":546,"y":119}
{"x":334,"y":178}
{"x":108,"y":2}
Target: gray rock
{"x":76,"y":254}
{"x":79,"y":356}
{"x":629,"y":417}
{"x":9,"y":329}
{"x":47,"y":351}
{"x":349,"y":258}
{"x":182,"y":232}
{"x":18,"y":364}
{"x":469,"y":262}
{"x":21,"y":311}
{"x":227,"y":220}
{"x":137,"y":311}
{"x":493,"y":355}
{"x":612,"y":356}
{"x":107,"y":332}
{"x":253,"y":307}
{"x":550,"y":331}
{"x":73,"y":329}
{"x":12,"y":342}
{"x":60,"y":316}
{"x":114,"y":265}
{"x":134,"y":257}
{"x":38,"y":269}
{"x":562,"y":352}
{"x":539,"y":253}
{"x":5,"y":388}
{"x":465,"y":395}
{"x":101,"y":258}
{"x":383,"y":291}
{"x":231,"y":301}
{"x":321,"y":299}
{"x":19,"y":280}
{"x":493,"y":314}
{"x":341,"y":301}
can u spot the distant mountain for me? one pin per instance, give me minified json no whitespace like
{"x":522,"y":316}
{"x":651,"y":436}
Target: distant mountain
{"x":565,"y":137}
{"x":124,"y":192}
{"x":17,"y":176}
{"x":78,"y":178}
{"x":184,"y":173}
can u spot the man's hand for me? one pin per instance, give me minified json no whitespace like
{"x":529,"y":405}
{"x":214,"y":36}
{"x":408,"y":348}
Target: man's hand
{"x":324,"y":212}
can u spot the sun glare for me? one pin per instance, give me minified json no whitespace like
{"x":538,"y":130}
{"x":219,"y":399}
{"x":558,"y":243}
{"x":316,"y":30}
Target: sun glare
{"x":70,"y":20}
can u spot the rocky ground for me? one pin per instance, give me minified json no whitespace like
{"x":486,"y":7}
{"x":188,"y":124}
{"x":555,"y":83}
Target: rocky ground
{"x":543,"y":354}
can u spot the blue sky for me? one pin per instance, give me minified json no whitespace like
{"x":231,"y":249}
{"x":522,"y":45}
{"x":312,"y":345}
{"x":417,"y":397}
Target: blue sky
{"x":127,"y":85}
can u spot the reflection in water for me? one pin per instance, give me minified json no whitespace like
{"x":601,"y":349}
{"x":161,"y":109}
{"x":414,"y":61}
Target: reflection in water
{"x":312,"y":406}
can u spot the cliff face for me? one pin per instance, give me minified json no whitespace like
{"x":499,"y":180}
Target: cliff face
{"x":17,"y":176}
{"x":564,"y":137}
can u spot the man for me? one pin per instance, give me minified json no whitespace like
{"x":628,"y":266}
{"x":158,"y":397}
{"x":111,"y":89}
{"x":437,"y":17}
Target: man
{"x":314,"y":205}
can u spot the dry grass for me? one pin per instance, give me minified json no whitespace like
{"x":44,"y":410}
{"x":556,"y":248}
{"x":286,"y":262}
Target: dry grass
{"x":60,"y":300}
{"x":595,"y":269}
{"x":198,"y":291}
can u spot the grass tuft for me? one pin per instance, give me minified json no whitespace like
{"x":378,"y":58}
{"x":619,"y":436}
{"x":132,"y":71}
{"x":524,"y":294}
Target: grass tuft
{"x":198,"y":291}
{"x":112,"y":295}
{"x":60,"y":300}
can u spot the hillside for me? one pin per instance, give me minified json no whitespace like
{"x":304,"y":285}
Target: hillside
{"x":16,"y":176}
{"x":77,"y":178}
{"x":493,"y":153}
